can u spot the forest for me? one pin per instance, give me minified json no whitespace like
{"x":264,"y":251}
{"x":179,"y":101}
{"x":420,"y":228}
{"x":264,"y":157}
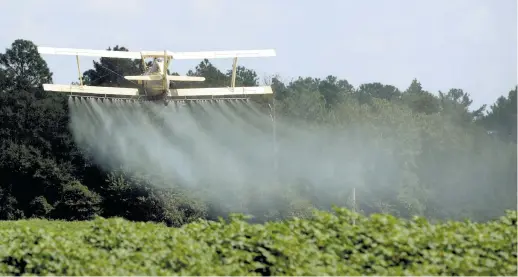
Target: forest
{"x":411,"y":151}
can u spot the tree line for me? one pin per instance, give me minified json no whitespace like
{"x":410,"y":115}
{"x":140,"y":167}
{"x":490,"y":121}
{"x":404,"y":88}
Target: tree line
{"x":453,"y":161}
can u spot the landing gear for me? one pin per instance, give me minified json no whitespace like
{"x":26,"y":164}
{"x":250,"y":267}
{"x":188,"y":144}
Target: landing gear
{"x":164,"y":97}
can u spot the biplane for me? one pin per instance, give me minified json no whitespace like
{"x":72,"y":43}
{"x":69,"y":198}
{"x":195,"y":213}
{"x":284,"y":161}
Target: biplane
{"x":155,"y":83}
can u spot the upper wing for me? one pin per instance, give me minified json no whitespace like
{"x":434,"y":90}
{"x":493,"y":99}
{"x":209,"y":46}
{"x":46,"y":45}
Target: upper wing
{"x":223,"y":54}
{"x":175,"y":55}
{"x":89,"y":52}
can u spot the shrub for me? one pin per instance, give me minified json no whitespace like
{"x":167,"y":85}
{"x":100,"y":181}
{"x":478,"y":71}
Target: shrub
{"x":40,"y":207}
{"x":77,"y":203}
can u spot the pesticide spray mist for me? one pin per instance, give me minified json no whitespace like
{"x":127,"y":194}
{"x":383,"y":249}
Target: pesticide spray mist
{"x":228,"y":150}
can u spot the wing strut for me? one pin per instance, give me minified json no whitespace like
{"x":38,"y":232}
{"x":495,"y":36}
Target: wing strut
{"x":234,"y":68}
{"x":79,"y":71}
{"x":165,"y":82}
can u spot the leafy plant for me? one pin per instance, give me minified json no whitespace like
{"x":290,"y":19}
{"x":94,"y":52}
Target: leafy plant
{"x":326,"y":244}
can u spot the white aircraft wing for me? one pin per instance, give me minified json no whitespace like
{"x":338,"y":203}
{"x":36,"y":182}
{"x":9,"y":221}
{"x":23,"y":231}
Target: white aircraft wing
{"x":175,"y":55}
{"x":224,"y":91}
{"x":89,"y":52}
{"x":222,"y":54}
{"x":91,"y":89}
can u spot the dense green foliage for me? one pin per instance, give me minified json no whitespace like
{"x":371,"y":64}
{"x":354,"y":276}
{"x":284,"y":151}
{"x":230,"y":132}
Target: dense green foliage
{"x":452,"y":161}
{"x":326,"y":244}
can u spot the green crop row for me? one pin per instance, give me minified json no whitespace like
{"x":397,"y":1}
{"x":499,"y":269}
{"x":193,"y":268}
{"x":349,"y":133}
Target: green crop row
{"x":327,"y":244}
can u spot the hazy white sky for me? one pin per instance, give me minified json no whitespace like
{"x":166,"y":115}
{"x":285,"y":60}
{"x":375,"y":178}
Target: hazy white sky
{"x":468,"y":44}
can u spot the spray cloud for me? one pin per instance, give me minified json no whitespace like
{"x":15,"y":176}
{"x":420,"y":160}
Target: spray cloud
{"x":226,"y":148}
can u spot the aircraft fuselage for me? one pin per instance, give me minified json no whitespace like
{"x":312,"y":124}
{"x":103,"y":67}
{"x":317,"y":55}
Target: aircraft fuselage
{"x":155,"y":87}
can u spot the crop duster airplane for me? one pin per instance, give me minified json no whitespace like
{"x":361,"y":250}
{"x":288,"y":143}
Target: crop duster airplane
{"x":154,"y":83}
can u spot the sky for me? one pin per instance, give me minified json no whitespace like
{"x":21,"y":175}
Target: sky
{"x":467,"y":44}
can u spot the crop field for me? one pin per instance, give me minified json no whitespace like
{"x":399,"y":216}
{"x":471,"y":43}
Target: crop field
{"x":327,"y":244}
